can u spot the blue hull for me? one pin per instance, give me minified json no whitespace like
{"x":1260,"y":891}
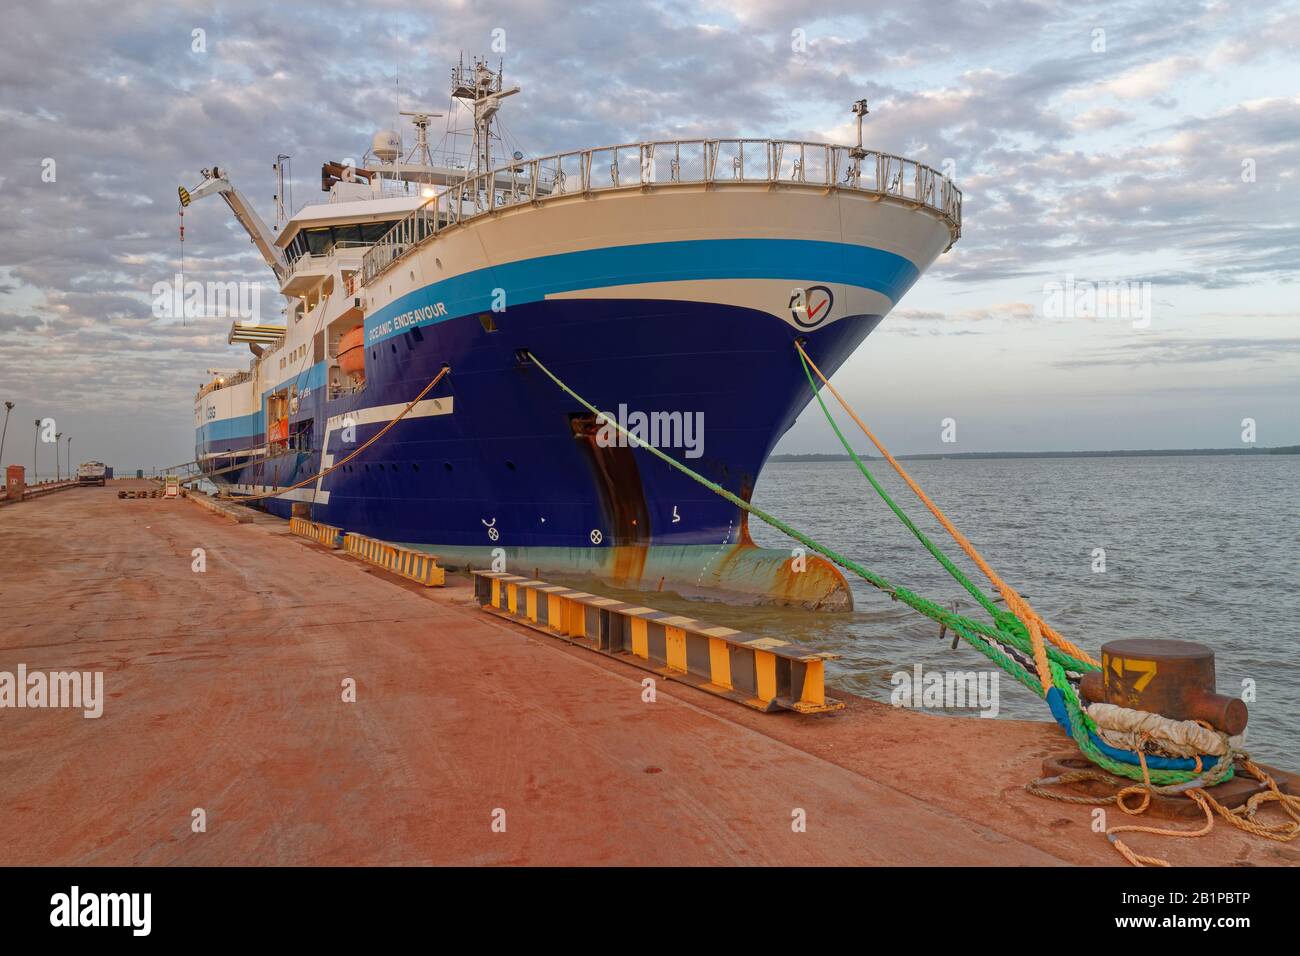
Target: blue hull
{"x":507,"y":468}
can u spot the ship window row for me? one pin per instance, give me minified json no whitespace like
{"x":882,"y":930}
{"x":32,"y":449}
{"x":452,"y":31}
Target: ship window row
{"x":293,"y":356}
{"x":319,"y":240}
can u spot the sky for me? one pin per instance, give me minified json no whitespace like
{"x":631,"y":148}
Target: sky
{"x":1151,"y":149}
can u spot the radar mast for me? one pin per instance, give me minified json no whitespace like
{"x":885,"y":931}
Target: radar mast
{"x":480,"y":88}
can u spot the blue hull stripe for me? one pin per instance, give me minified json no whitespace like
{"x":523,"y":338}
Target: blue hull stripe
{"x":227,"y":429}
{"x":230,"y":428}
{"x":531,"y":280}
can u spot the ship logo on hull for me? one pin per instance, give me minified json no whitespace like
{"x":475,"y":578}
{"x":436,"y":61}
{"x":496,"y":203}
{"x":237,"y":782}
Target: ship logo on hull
{"x":810,"y":307}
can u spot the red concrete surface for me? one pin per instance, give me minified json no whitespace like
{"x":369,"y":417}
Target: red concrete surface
{"x":224,"y":692}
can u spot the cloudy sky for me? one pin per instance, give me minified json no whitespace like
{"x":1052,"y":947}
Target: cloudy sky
{"x":1156,"y":144}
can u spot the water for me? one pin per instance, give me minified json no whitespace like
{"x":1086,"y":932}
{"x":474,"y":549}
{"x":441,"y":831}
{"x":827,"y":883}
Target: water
{"x":1204,"y":549}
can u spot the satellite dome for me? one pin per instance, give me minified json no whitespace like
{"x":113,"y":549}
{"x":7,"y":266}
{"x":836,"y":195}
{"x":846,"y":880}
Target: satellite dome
{"x":387,"y":145}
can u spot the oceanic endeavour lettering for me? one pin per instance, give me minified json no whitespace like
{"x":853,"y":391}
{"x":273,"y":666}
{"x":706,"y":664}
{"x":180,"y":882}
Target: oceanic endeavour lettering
{"x":408,"y":319}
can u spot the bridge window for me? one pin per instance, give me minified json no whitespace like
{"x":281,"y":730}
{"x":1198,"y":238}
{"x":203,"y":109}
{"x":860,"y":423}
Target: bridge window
{"x":319,"y":240}
{"x":350,"y":233}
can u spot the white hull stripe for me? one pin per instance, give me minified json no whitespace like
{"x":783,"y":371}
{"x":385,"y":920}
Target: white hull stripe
{"x":298,"y":494}
{"x":370,"y":416}
{"x":386,"y":413}
{"x":774,"y":296}
{"x":361,"y":416}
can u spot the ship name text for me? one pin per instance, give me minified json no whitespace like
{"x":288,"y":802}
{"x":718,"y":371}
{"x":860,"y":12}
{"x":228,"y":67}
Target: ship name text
{"x":407,"y":320}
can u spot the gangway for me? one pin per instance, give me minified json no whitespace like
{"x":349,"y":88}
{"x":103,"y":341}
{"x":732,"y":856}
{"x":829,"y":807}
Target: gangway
{"x":189,"y":472}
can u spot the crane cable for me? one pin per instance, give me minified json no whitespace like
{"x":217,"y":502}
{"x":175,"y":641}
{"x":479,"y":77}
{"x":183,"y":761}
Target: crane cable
{"x":181,"y":212}
{"x":339,"y":464}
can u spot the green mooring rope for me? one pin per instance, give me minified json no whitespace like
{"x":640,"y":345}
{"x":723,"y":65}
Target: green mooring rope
{"x":958,"y":623}
{"x":1005,"y":620}
{"x":1007,"y":629}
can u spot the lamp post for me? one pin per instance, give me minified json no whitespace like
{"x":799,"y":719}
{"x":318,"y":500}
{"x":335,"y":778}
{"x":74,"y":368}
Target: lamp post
{"x":35,"y":443}
{"x":9,"y":407}
{"x":69,"y":457}
{"x":57,"y":458}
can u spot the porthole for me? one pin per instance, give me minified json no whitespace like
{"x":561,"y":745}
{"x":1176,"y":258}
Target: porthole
{"x":447,"y":465}
{"x":510,"y":466}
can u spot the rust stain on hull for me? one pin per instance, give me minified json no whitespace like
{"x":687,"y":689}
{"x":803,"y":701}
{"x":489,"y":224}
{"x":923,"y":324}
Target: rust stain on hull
{"x":820,"y":585}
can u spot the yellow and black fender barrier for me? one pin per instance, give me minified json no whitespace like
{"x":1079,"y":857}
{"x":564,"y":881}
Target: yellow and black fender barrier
{"x":764,"y":673}
{"x":418,"y":566}
{"x":326,"y":534}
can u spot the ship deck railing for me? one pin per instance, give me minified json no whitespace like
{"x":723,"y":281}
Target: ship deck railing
{"x":713,"y":162}
{"x":224,"y":382}
{"x":342,"y":391}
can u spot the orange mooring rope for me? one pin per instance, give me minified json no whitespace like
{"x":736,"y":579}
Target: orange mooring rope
{"x":1038,"y":628}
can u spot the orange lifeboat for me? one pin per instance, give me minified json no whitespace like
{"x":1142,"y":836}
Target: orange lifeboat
{"x":352,"y":352}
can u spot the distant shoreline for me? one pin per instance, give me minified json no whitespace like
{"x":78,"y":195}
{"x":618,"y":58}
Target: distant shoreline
{"x":986,"y":455}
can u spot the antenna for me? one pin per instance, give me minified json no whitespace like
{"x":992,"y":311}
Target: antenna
{"x":420,"y":154}
{"x":854,"y":173}
{"x":281,"y":161}
{"x":859,"y":110}
{"x":480,"y":87}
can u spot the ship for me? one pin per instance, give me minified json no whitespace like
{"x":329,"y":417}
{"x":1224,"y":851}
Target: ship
{"x":666,"y":282}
